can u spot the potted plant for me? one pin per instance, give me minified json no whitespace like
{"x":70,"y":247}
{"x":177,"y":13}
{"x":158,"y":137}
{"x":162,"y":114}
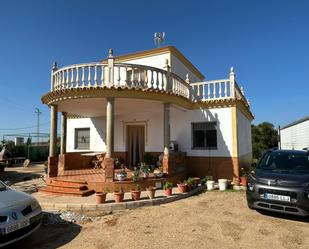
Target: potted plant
{"x":151,"y":192}
{"x":190,"y":184}
{"x":182,"y":187}
{"x":203,"y":181}
{"x":144,"y":169}
{"x":119,"y":195}
{"x":122,"y":174}
{"x":243,"y":177}
{"x":168,"y":188}
{"x":158,"y":172}
{"x":136,"y":193}
{"x":135,"y":174}
{"x":100,"y":197}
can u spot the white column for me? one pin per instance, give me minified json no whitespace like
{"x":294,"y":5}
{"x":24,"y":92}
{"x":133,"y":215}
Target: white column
{"x":63,"y":133}
{"x":109,"y":127}
{"x":167,"y":137}
{"x":53,"y":130}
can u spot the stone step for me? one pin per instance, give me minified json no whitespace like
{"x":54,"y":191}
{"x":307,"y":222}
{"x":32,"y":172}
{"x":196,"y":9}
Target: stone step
{"x":66,"y":192}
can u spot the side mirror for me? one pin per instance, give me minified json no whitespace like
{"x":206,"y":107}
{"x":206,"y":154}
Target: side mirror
{"x":253,"y":165}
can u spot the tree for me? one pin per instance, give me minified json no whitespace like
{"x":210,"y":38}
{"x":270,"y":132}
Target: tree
{"x":264,"y":136}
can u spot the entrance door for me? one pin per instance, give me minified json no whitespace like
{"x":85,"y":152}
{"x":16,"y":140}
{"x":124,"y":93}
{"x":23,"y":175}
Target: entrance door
{"x":135,"y":144}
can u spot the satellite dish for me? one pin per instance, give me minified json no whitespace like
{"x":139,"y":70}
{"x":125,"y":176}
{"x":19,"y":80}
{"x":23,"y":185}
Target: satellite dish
{"x":159,"y":37}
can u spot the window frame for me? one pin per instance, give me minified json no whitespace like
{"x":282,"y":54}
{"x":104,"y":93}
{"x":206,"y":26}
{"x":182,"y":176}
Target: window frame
{"x":76,"y":138}
{"x":205,"y":138}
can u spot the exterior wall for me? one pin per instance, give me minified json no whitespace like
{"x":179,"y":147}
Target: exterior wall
{"x":244,"y":135}
{"x":181,"y":130}
{"x":152,"y":121}
{"x":97,"y":132}
{"x":157,"y":61}
{"x":295,"y":137}
{"x":181,"y":70}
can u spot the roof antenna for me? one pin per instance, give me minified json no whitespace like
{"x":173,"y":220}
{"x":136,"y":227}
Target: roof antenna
{"x":158,"y":38}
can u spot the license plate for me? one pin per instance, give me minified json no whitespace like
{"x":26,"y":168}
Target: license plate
{"x":277,"y":197}
{"x":17,"y":226}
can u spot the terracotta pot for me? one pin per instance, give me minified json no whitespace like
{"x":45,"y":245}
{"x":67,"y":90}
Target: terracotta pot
{"x":168,"y":191}
{"x":243,"y":180}
{"x":136,"y":195}
{"x":151,"y":192}
{"x":100,"y":197}
{"x":118,"y":196}
{"x":182,"y":188}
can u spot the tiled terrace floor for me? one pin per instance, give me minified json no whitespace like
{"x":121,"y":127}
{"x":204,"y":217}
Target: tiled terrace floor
{"x":88,"y":175}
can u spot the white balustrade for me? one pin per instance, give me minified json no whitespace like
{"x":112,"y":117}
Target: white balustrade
{"x":98,"y":75}
{"x":207,"y":90}
{"x":124,"y":75}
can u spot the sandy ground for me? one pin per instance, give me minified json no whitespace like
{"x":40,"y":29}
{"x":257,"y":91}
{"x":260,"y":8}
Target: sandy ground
{"x":210,"y":220}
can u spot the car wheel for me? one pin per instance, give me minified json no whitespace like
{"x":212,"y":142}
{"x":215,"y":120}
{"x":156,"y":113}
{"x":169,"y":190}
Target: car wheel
{"x":250,"y":206}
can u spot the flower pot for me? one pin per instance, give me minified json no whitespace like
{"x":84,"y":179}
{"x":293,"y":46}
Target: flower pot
{"x":210,"y":185}
{"x":182,"y":188}
{"x":121,"y":176}
{"x":222,"y":184}
{"x":151,"y":192}
{"x":118,"y":196}
{"x":100,"y":197}
{"x":243,"y":180}
{"x":168,"y":191}
{"x":136,"y":195}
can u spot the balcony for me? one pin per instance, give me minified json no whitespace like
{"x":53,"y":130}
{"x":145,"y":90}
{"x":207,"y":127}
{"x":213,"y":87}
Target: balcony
{"x":112,"y":75}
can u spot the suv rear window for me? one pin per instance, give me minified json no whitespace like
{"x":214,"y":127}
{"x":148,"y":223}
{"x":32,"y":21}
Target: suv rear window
{"x":287,"y":161}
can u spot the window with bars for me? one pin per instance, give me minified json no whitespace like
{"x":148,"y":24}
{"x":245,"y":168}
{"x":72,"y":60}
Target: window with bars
{"x":82,"y":138}
{"x":204,"y":135}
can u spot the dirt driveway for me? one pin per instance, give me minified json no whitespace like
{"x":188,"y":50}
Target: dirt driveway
{"x":210,"y":220}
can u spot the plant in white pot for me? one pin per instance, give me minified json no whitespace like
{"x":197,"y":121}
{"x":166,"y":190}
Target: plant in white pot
{"x":122,"y":174}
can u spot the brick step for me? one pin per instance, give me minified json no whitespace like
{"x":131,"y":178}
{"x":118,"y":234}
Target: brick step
{"x":66,"y":183}
{"x":56,"y":186}
{"x":80,"y":193}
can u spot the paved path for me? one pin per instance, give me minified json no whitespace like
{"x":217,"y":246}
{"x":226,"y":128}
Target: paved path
{"x":25,"y":179}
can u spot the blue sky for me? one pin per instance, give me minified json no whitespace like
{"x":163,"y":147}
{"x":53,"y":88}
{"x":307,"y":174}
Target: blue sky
{"x":266,"y":42}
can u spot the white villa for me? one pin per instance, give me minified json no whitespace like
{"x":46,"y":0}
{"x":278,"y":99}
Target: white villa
{"x":149,"y":102}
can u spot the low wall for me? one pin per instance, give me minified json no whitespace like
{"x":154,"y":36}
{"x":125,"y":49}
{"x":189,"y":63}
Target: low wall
{"x":128,"y":185}
{"x":74,"y":161}
{"x":217,"y":167}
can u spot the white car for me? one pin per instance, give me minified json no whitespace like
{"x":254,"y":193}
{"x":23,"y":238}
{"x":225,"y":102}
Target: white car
{"x":20,"y":215}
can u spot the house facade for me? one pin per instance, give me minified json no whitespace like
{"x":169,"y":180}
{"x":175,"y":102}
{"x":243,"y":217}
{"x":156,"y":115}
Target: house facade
{"x":295,"y":136}
{"x":151,"y":102}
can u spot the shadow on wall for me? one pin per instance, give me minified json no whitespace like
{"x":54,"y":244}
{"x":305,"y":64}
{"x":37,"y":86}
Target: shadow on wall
{"x":212,"y":163}
{"x":99,"y":124}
